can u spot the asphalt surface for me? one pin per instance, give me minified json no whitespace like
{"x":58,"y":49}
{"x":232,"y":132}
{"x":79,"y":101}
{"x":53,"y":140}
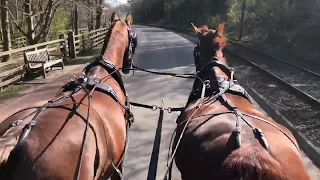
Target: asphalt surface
{"x":157,"y":50}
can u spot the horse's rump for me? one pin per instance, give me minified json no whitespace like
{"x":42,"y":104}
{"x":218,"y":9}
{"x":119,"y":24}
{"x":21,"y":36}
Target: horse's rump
{"x":250,"y":162}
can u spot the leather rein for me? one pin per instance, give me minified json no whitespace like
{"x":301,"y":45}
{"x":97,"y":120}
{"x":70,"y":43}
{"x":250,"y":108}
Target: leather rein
{"x":213,"y":90}
{"x":82,"y":82}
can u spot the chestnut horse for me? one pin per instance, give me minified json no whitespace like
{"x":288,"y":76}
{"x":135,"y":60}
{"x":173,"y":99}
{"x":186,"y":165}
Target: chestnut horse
{"x":221,"y":135}
{"x":82,"y":133}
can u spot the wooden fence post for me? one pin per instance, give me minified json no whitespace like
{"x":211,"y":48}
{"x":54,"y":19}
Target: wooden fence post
{"x":72,"y":45}
{"x":63,"y":46}
{"x":91,"y":40}
{"x":83,"y":41}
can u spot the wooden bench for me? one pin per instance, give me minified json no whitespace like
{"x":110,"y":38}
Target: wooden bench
{"x":40,"y":59}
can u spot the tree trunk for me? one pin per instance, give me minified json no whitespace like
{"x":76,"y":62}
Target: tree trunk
{"x":90,"y":18}
{"x":29,"y":20}
{"x":99,"y":13}
{"x":76,"y":26}
{"x":5,"y":28}
{"x":16,"y":11}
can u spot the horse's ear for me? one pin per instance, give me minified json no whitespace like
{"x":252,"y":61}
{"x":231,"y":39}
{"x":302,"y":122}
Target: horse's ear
{"x":205,"y":28}
{"x":129,"y":19}
{"x":220,"y":29}
{"x":114,"y":17}
{"x":197,"y":31}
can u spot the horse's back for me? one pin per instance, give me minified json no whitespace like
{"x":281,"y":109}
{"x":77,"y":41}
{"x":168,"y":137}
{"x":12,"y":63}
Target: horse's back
{"x":208,"y":139}
{"x":55,"y":141}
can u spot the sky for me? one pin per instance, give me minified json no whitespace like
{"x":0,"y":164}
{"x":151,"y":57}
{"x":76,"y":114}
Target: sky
{"x":116,"y":1}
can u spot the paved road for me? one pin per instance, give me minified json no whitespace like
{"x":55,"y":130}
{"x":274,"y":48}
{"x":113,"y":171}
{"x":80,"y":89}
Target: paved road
{"x":160,"y":50}
{"x":157,"y":50}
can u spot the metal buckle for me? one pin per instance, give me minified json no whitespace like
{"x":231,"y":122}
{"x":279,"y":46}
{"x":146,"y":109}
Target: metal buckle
{"x":207,"y":83}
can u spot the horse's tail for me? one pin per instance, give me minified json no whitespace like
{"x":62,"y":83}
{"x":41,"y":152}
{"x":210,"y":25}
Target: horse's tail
{"x":250,"y":162}
{"x":7,"y":144}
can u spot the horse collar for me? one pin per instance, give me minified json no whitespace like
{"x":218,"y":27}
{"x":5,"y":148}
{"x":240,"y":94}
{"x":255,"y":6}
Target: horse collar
{"x":110,"y":68}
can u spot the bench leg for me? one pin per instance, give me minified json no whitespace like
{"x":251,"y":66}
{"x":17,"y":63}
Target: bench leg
{"x":43,"y":71}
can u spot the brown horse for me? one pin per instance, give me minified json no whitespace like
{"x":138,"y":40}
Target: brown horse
{"x":81,"y":134}
{"x":224,"y":135}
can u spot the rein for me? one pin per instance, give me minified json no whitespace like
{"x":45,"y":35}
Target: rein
{"x":89,"y":85}
{"x":186,"y":75}
{"x":220,"y":95}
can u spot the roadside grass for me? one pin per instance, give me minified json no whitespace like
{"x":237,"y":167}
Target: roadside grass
{"x":84,"y":57}
{"x":12,"y":91}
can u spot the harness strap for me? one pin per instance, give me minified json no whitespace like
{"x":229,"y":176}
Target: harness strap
{"x":27,"y":128}
{"x":216,"y":63}
{"x":91,"y":83}
{"x":240,"y":117}
{"x":235,"y":89}
{"x":109,"y":67}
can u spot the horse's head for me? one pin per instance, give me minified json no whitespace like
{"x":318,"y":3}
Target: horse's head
{"x":133,"y":42}
{"x":129,"y":19}
{"x":120,"y":42}
{"x":211,"y":43}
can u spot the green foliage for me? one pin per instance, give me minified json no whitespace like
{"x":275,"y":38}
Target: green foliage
{"x":261,"y":16}
{"x":59,"y":22}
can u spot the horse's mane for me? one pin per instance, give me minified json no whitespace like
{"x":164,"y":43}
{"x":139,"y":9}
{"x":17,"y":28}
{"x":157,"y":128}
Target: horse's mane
{"x":112,"y":37}
{"x":250,"y":162}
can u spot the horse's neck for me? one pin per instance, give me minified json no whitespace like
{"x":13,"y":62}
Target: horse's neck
{"x":113,"y":54}
{"x":222,"y":60}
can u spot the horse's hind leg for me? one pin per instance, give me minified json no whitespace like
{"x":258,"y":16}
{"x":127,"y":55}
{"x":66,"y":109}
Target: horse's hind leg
{"x":115,"y":175}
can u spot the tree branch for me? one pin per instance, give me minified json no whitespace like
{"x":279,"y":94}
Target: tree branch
{"x":15,"y":6}
{"x":41,"y":17}
{"x":14,"y":21}
{"x":48,"y":20}
{"x":47,"y":30}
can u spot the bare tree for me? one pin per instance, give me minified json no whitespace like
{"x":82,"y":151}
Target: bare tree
{"x":39,"y":15}
{"x":98,"y":13}
{"x":5,"y":27}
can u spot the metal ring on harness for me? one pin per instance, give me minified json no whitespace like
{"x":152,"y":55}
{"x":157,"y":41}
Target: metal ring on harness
{"x":169,"y":110}
{"x":154,"y":108}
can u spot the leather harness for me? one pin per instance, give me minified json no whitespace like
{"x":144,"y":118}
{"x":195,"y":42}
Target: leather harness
{"x":217,"y":87}
{"x":81,"y":83}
